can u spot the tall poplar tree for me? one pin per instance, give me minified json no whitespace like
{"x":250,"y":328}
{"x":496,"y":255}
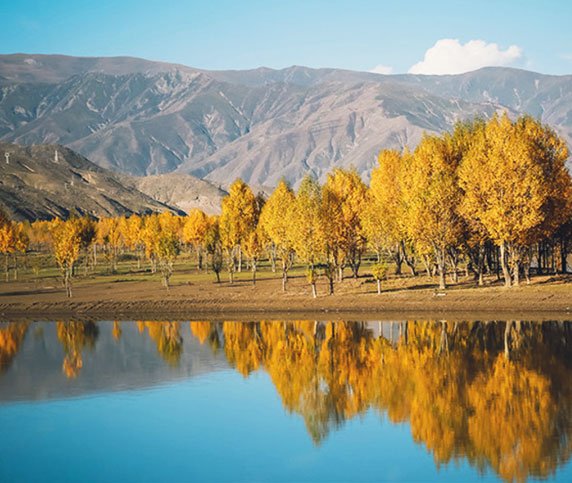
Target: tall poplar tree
{"x":237,"y":221}
{"x":431,"y":196}
{"x":307,"y":227}
{"x":275,"y":221}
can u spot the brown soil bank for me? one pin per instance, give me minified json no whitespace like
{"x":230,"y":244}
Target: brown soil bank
{"x":101,"y":297}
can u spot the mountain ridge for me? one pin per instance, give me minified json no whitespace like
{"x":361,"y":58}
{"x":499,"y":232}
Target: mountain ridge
{"x":143,"y":117}
{"x":47,"y":181}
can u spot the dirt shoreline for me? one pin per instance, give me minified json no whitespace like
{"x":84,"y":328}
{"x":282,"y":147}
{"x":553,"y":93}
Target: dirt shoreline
{"x":355,"y":300}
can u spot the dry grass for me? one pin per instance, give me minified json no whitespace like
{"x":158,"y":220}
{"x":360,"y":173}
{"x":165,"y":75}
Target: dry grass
{"x":138,"y":293}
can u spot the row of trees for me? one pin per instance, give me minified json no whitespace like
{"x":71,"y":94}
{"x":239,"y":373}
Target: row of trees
{"x":488,"y":197}
{"x":488,"y":194}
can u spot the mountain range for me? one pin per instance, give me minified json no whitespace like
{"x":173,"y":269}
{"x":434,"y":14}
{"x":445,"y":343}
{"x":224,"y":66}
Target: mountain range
{"x":46,"y":181}
{"x":143,"y":118}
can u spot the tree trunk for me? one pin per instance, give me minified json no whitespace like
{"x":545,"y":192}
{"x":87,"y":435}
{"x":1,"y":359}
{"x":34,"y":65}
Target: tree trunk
{"x":516,"y":274}
{"x":440,"y":256}
{"x":409,"y":260}
{"x":314,"y":291}
{"x":378,"y":286}
{"x":442,"y":281}
{"x":239,"y":259}
{"x":6,"y":266}
{"x":398,"y":257}
{"x":427,"y":267}
{"x":355,"y":266}
{"x":273,"y":259}
{"x":481,"y":264}
{"x":563,"y":255}
{"x":503,"y":263}
{"x":253,"y":273}
{"x":284,"y":276}
{"x":67,"y":280}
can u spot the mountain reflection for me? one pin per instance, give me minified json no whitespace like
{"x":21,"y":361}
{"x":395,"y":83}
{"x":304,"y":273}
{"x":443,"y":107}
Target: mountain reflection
{"x":496,"y":394}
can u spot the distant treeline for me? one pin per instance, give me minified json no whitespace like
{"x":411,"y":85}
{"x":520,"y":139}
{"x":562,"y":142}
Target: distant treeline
{"x":491,"y":197}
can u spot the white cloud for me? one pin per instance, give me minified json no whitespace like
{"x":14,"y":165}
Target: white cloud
{"x":382,"y":69}
{"x":449,"y":56}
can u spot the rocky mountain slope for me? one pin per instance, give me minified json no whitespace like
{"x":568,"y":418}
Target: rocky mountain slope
{"x":41,"y":182}
{"x":141,"y":117}
{"x":180,"y":190}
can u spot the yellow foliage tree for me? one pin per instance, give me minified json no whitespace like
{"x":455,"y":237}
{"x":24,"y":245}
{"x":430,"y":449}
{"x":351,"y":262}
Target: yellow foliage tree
{"x":167,"y":248}
{"x":109,"y":235}
{"x":431,"y":197}
{"x":213,"y":246}
{"x":150,"y":235}
{"x":66,"y":245}
{"x":525,"y":193}
{"x":275,"y":221}
{"x":307,"y":227}
{"x":131,"y":230}
{"x":237,"y":221}
{"x":344,"y":195}
{"x":195,"y":229}
{"x":13,"y":239}
{"x":383,"y":216}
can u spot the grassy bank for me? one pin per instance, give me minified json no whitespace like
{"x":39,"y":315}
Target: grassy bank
{"x":136,"y":293}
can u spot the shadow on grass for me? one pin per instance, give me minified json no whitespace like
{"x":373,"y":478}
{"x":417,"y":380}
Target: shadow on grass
{"x":32,"y":292}
{"x":556,"y":279}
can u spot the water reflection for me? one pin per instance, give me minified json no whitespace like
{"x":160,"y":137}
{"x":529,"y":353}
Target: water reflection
{"x":495,"y":394}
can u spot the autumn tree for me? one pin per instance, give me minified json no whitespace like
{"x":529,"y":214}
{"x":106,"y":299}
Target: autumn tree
{"x":307,"y":227}
{"x":167,"y":248}
{"x":87,"y":229}
{"x":237,"y":221}
{"x":150,"y":234}
{"x":383,"y":215}
{"x":275,"y":221}
{"x":431,"y":196}
{"x":379,"y":272}
{"x":525,"y":194}
{"x":213,"y":246}
{"x":254,"y":247}
{"x":195,"y":228}
{"x":109,"y":236}
{"x":13,"y":239}
{"x":131,"y":233}
{"x":66,"y":245}
{"x":344,"y":195}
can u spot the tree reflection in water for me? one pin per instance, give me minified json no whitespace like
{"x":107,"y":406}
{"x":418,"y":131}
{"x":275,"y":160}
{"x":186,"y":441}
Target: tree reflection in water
{"x":497,"y":394}
{"x":74,"y":337}
{"x":11,"y":337}
{"x":167,"y":337}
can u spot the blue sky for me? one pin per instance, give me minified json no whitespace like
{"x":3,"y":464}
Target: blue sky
{"x":357,"y":34}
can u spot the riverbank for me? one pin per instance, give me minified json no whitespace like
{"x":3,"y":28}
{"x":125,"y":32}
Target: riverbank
{"x":198,"y":298}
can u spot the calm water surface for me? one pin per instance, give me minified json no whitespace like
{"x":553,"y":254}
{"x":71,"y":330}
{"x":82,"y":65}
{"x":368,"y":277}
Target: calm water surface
{"x":285,"y":401}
